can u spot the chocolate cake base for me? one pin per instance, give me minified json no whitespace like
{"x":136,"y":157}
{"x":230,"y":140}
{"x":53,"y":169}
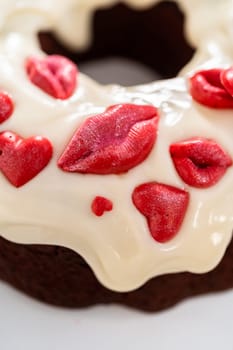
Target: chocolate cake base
{"x":59,"y":276}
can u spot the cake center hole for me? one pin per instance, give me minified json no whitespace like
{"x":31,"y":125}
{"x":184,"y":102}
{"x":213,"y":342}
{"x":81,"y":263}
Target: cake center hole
{"x":119,"y":70}
{"x":131,"y":46}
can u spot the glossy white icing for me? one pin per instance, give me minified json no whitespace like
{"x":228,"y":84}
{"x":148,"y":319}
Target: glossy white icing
{"x":55,"y":207}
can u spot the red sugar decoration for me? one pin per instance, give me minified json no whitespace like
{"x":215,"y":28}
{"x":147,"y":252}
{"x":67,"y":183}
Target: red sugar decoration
{"x":22,"y":159}
{"x":6,"y":106}
{"x":227,"y":80}
{"x":112,"y":142}
{"x":56,"y":75}
{"x":206,"y":87}
{"x":100,"y":205}
{"x":163,"y":206}
{"x":200,"y":162}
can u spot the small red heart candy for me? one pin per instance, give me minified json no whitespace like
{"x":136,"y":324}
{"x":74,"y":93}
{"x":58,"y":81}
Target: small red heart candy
{"x":200,"y":162}
{"x":163,"y":206}
{"x":206,"y":88}
{"x":100,"y":205}
{"x":6,"y":106}
{"x":22,"y":159}
{"x":112,"y":142}
{"x":56,"y":75}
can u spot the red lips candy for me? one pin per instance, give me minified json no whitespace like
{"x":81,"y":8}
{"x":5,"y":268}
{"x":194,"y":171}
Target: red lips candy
{"x":163,"y":206}
{"x":22,"y":159}
{"x":227,"y":80}
{"x":200,"y":162}
{"x":112,"y":142}
{"x":56,"y":75}
{"x":213,"y":88}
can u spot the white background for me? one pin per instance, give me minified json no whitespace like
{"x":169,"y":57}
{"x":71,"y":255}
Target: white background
{"x":200,"y":323}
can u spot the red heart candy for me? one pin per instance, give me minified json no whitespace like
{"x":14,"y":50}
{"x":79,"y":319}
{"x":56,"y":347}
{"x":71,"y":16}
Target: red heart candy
{"x":206,"y":88}
{"x":6,"y":106}
{"x":100,"y":205}
{"x":56,"y":75}
{"x":163,"y":206}
{"x":200,"y":162}
{"x":22,"y":159}
{"x":112,"y":142}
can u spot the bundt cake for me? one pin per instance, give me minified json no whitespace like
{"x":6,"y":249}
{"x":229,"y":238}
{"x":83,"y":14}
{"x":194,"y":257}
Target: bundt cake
{"x":113,"y":194}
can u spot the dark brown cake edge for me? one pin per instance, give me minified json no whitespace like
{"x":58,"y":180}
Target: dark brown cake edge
{"x":59,"y":276}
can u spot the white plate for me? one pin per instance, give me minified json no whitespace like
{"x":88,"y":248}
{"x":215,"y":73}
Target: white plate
{"x":196,"y":324}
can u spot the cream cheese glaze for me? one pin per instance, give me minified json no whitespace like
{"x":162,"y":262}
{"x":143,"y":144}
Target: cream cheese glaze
{"x":55,"y":207}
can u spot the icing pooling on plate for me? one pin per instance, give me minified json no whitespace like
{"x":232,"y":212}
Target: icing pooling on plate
{"x":55,"y":206}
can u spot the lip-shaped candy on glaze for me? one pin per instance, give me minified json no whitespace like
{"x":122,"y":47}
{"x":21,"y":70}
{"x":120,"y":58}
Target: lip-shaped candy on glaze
{"x":112,"y":142}
{"x":200,"y":162}
{"x":56,"y":75}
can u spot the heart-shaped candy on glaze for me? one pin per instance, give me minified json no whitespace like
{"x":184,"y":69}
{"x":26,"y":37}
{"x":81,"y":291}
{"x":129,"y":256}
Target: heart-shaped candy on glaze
{"x":22,"y":159}
{"x":163,"y":206}
{"x":100,"y":205}
{"x":6,"y":106}
{"x":112,"y":142}
{"x":56,"y":75}
{"x":206,"y":88}
{"x":200,"y":162}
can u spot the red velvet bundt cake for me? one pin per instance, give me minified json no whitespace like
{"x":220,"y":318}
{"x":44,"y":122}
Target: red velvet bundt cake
{"x":111,"y":193}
